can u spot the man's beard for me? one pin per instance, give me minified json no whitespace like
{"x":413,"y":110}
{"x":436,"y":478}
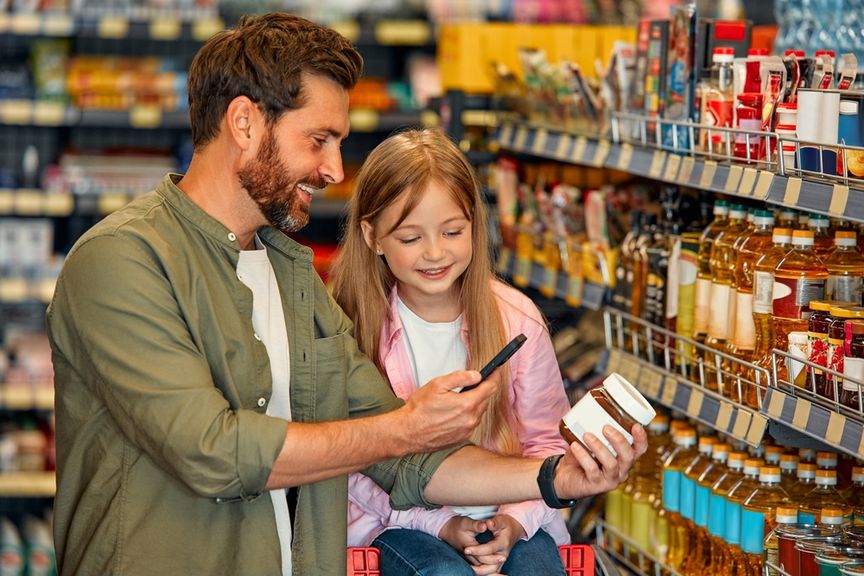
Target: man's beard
{"x":267,"y":181}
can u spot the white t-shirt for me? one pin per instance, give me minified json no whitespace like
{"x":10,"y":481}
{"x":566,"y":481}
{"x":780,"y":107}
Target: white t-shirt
{"x":435,"y":349}
{"x":268,"y":321}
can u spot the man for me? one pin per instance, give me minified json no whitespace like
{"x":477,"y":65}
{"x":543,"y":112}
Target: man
{"x":200,"y":362}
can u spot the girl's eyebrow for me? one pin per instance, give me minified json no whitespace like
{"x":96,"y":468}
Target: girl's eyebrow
{"x":448,"y":221}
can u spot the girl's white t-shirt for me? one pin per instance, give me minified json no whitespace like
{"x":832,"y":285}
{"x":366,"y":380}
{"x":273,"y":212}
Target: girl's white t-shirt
{"x":435,"y":349}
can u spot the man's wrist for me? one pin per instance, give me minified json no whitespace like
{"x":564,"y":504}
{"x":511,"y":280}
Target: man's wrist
{"x":546,"y":483}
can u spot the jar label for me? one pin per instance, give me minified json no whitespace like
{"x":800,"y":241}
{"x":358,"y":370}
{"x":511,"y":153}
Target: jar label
{"x":745,"y":328}
{"x":702,"y":312}
{"x":671,"y":489}
{"x":795,"y":296}
{"x":718,"y":322}
{"x":732,"y":534}
{"x":844,"y":288}
{"x":797,"y":375}
{"x":853,"y":368}
{"x":752,"y":531}
{"x":763,"y":293}
{"x":716,"y":515}
{"x":703,"y":497}
{"x":687,"y":501}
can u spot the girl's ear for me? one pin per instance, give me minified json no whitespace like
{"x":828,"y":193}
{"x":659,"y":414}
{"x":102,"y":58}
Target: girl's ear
{"x":369,"y":236}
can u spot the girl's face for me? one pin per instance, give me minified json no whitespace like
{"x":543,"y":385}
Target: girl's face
{"x":427,"y":253}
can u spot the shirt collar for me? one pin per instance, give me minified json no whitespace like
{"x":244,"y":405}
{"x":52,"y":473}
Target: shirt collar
{"x":393,"y":326}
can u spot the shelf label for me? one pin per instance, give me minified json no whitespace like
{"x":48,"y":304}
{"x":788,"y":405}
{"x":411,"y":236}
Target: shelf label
{"x":541,"y":136}
{"x":686,"y":170}
{"x":504,"y":258}
{"x":16,"y":111}
{"x":733,"y":179}
{"x":402,"y":33}
{"x":579,"y":150}
{"x":206,"y":27}
{"x":745,"y":188}
{"x":625,"y":156}
{"x":839,"y":198}
{"x":603,"y":147}
{"x":48,"y":113}
{"x":521,"y":138}
{"x":629,"y":369}
{"x":110,"y":202}
{"x":763,"y":185}
{"x":757,"y":429}
{"x":708,"y":170}
{"x":522,"y":272}
{"x":145,"y":116}
{"x":802,"y":413}
{"x":564,"y":143}
{"x":13,"y":289}
{"x":505,"y":136}
{"x":7,"y":201}
{"x":26,"y":23}
{"x":657,"y":162}
{"x":793,"y":190}
{"x":694,"y":405}
{"x":57,"y":25}
{"x":575,"y":289}
{"x":58,"y":204}
{"x":113,"y":27}
{"x":28,"y":202}
{"x":673,"y":165}
{"x":45,"y":289}
{"x":742,"y":423}
{"x":363,"y":119}
{"x":836,"y":424}
{"x":652,"y":380}
{"x":5,"y":21}
{"x":429,"y":119}
{"x":775,"y":406}
{"x":550,"y":282}
{"x":670,"y":389}
{"x":165,"y":29}
{"x":614,"y":360}
{"x":724,"y":416}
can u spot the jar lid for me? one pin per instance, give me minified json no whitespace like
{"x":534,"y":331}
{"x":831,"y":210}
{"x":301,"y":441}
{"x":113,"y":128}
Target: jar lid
{"x":830,"y":53}
{"x":826,"y":305}
{"x":848,"y":311}
{"x":856,"y":327}
{"x":848,"y":107}
{"x":796,"y":53}
{"x":629,"y":398}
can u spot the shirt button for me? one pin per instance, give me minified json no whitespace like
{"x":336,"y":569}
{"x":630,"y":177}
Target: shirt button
{"x":232,"y":237}
{"x":258,"y":338}
{"x":262,"y":402}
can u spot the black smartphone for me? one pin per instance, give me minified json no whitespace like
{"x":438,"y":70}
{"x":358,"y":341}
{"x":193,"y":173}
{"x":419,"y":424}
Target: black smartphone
{"x":498,"y":360}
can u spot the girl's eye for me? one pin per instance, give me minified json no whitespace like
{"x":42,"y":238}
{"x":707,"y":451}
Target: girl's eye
{"x":454,"y":233}
{"x":408,"y":240}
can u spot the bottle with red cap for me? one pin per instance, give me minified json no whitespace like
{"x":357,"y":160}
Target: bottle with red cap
{"x":718,"y":100}
{"x":823,"y":75}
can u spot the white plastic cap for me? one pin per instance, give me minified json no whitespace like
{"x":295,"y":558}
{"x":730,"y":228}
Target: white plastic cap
{"x":629,"y":398}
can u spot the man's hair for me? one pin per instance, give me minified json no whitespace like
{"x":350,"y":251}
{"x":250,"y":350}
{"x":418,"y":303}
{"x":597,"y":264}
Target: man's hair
{"x":264,"y":58}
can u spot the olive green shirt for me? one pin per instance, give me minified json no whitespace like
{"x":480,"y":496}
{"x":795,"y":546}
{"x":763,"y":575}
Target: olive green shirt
{"x":163,"y":445}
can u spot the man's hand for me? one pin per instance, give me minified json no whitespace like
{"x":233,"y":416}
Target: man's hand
{"x":436,"y":416}
{"x":579,"y":475}
{"x":507,"y":531}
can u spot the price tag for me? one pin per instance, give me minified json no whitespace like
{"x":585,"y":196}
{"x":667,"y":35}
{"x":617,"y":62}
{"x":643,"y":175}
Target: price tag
{"x":110,"y":202}
{"x":629,"y":369}
{"x":694,"y":405}
{"x":48,"y":113}
{"x":113,"y":27}
{"x":802,"y":413}
{"x":145,"y":116}
{"x":614,"y":360}
{"x":839,"y":198}
{"x":724,"y":416}
{"x":206,"y":27}
{"x":670,"y":389}
{"x":505,"y":137}
{"x":505,"y":256}
{"x":708,"y":170}
{"x":657,"y":162}
{"x":550,"y":282}
{"x":522,"y":272}
{"x":57,"y":25}
{"x":521,"y":138}
{"x":564,"y":144}
{"x":625,"y":156}
{"x":579,"y":150}
{"x":58,"y":204}
{"x":763,"y":185}
{"x":575,"y":289}
{"x":28,"y":202}
{"x":603,"y":147}
{"x":16,"y":111}
{"x":733,"y":179}
{"x":836,"y":424}
{"x":26,"y":23}
{"x":757,"y":429}
{"x":686,"y":170}
{"x":651,"y":382}
{"x":742,"y":423}
{"x":13,"y":289}
{"x":673,"y":164}
{"x":540,"y":138}
{"x":45,"y":289}
{"x":165,"y":29}
{"x":775,"y":405}
{"x":7,"y":201}
{"x":402,"y":32}
{"x":745,"y":188}
{"x":793,"y":190}
{"x":363,"y":119}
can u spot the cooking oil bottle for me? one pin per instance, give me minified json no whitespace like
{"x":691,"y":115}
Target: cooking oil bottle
{"x":823,"y":239}
{"x":702,"y":312}
{"x":807,"y":455}
{"x":758,"y":516}
{"x":763,"y":297}
{"x":772,"y":455}
{"x":785,"y":218}
{"x":720,"y":556}
{"x":788,"y":471}
{"x":845,"y":269}
{"x":854,"y":495}
{"x":681,"y":457}
{"x":687,"y":505}
{"x":786,"y":514}
{"x":833,"y":518}
{"x":642,"y":518}
{"x":734,"y":501}
{"x":799,"y":278}
{"x":712,"y":473}
{"x":824,"y":495}
{"x":806,"y":481}
{"x":687,"y":280}
{"x":722,"y":297}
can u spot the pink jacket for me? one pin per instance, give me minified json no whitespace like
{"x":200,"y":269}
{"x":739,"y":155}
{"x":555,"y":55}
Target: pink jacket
{"x":538,"y":400}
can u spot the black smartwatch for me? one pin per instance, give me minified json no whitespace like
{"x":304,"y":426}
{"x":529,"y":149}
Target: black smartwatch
{"x":546,"y":482}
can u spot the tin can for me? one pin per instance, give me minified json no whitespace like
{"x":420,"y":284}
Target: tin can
{"x":787,"y":537}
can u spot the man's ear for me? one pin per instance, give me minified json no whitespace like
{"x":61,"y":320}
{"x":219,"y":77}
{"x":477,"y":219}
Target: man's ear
{"x":241,"y":119}
{"x":369,"y":237}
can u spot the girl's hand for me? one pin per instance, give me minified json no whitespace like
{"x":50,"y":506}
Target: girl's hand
{"x":507,"y":531}
{"x":461,"y":531}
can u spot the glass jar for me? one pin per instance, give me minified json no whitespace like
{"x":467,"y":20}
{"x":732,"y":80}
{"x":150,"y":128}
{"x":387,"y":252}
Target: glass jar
{"x":853,"y":366}
{"x":817,"y":335}
{"x":837,"y":341}
{"x":749,"y":114}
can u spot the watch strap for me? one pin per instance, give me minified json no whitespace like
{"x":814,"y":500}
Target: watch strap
{"x":546,"y":483}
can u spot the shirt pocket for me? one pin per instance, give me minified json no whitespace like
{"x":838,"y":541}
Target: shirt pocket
{"x":331,"y":377}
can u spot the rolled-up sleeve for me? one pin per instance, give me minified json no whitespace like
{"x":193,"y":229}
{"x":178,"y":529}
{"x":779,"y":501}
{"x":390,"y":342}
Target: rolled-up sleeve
{"x":115,"y":317}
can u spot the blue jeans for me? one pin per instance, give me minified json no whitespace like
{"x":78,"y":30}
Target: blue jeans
{"x":413,"y":553}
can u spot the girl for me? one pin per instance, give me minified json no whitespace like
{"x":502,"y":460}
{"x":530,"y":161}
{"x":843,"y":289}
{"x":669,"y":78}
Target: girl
{"x":414,"y":274}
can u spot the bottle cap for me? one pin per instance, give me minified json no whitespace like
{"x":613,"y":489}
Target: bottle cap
{"x":781,"y":235}
{"x":769,"y":474}
{"x":723,"y":54}
{"x":757,"y":52}
{"x":787,"y":514}
{"x":736,"y":459}
{"x":848,"y":107}
{"x":806,"y":454}
{"x":720,"y":452}
{"x":772,"y":454}
{"x":846,"y":238}
{"x":826,"y":459}
{"x":629,"y":398}
{"x":706,"y":444}
{"x":858,"y":473}
{"x":826,"y":477}
{"x":660,"y":424}
{"x":788,"y":462}
{"x":802,"y":238}
{"x":831,"y":516}
{"x":830,"y":53}
{"x":796,"y":53}
{"x":818,"y":221}
{"x":806,"y":470}
{"x":788,"y":107}
{"x":738,"y":212}
{"x":752,"y":466}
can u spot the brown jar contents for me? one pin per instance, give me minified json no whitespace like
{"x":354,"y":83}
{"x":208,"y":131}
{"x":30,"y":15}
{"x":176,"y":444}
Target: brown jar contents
{"x":610,"y":407}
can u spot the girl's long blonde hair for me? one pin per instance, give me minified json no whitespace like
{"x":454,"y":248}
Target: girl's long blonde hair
{"x":407,"y":163}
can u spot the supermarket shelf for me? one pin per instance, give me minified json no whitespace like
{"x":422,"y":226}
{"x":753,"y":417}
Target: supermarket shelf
{"x":164,"y":25}
{"x":387,"y":32}
{"x":17,"y":290}
{"x":628,"y":553}
{"x":28,"y":485}
{"x":575,"y":291}
{"x":27,"y":397}
{"x":746,"y":181}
